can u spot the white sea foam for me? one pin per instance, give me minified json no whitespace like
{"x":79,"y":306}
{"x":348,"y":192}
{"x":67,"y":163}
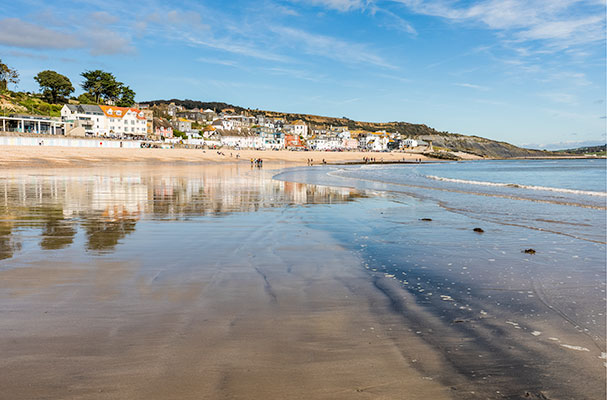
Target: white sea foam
{"x":578,"y":348}
{"x":518,"y":186}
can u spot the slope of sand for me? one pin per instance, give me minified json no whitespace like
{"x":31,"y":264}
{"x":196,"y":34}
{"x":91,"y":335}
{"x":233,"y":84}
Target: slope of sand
{"x":15,"y":156}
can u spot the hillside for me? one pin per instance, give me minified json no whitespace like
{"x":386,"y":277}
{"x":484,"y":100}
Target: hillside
{"x":594,"y":150}
{"x":451,"y":141}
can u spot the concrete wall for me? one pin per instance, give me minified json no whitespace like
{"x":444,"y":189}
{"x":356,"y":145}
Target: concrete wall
{"x":66,"y":142}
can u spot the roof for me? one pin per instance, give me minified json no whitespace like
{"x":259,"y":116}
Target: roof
{"x":298,"y":122}
{"x":119,"y":112}
{"x":85,"y":108}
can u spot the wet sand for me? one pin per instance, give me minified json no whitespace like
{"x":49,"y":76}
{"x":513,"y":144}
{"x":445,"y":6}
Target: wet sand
{"x":220,"y":282}
{"x":238,"y":306}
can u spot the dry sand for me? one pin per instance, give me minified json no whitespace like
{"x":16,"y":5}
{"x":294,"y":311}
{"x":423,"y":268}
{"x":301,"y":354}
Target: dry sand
{"x":15,"y":156}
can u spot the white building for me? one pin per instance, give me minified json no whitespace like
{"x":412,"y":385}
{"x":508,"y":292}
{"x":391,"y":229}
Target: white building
{"x":299,"y":128}
{"x":410,"y":143}
{"x":90,"y":117}
{"x":240,"y":140}
{"x":106,"y":120}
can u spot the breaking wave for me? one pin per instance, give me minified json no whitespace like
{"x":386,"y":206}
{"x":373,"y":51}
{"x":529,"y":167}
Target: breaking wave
{"x":518,"y":186}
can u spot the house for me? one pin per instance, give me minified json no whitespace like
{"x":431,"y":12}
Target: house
{"x":241,"y":140}
{"x":149,"y":119}
{"x":89,"y":117}
{"x":163,"y":128}
{"x":298,"y":128}
{"x":181,"y":124}
{"x":410,"y":143}
{"x":376,"y":141}
{"x":292,"y":141}
{"x":327,"y":142}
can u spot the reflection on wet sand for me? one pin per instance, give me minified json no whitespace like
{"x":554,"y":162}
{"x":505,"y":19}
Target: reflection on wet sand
{"x":107,"y":204}
{"x":199,"y":300}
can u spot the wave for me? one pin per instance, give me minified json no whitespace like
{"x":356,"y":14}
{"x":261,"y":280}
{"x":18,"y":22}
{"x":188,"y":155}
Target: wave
{"x":518,"y":186}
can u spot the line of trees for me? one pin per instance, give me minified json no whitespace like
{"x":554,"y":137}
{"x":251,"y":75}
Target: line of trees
{"x":100,"y":86}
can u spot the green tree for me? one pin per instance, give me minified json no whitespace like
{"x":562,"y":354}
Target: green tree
{"x":86,"y":98}
{"x":101,"y":85}
{"x":54,"y":85}
{"x":7,"y":75}
{"x":127,"y":97}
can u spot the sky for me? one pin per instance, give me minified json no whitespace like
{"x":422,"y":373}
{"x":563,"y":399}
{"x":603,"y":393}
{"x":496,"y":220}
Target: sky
{"x":528,"y":72}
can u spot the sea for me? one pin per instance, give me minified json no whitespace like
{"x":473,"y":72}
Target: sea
{"x":500,"y":266}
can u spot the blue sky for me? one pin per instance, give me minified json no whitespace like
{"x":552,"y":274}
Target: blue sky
{"x":524,"y":71}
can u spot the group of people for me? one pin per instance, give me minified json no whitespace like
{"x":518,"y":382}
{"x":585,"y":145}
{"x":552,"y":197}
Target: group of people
{"x":256,"y":162}
{"x":311,"y":161}
{"x":369,"y":159}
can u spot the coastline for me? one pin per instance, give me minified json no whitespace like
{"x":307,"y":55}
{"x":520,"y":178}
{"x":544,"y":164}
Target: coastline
{"x":28,"y":156}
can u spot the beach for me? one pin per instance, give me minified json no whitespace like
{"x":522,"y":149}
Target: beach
{"x":13,"y":156}
{"x":220,"y":280}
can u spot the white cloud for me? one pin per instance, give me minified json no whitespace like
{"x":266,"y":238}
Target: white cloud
{"x":232,"y":46}
{"x":329,"y":47}
{"x":472,"y":86}
{"x":564,"y":22}
{"x":340,"y":5}
{"x":17,"y":33}
{"x":560,"y":97}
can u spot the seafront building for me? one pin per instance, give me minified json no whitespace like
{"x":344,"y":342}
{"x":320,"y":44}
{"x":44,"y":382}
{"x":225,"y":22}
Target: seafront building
{"x":106,"y":121}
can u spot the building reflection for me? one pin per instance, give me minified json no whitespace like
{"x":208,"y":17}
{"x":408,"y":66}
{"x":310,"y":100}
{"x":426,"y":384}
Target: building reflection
{"x":106,"y":206}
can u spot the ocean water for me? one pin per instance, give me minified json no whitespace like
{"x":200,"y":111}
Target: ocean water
{"x":524,"y":298}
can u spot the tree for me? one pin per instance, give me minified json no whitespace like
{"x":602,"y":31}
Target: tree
{"x":100,"y":84}
{"x":54,"y":85}
{"x":127,"y":96}
{"x":103,"y":85}
{"x":7,"y":75}
{"x":86,"y":98}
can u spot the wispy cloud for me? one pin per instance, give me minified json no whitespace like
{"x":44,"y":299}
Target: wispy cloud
{"x":558,"y":97}
{"x":340,"y":5}
{"x":240,"y":48}
{"x":472,"y":86}
{"x":227,"y":63}
{"x":332,"y":48}
{"x":560,"y":22}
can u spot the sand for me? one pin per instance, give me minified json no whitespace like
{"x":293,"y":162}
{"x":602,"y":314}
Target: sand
{"x":259,"y":307}
{"x":14,"y":156}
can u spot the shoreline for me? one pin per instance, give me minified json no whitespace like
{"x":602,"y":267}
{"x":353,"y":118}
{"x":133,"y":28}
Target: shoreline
{"x":28,"y":156}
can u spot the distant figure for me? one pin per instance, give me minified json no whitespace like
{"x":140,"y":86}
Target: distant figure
{"x":324,"y":161}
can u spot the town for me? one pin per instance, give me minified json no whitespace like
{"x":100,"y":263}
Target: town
{"x":106,"y":115}
{"x":168,"y":125}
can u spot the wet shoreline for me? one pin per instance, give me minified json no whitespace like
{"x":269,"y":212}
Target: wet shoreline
{"x":225,"y":282}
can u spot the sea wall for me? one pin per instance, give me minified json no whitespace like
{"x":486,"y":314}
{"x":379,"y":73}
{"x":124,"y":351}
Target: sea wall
{"x":67,"y":142}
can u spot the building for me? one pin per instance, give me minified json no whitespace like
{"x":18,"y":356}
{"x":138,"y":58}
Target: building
{"x":106,"y":120}
{"x":299,"y":128}
{"x":181,"y":124}
{"x":162,"y":128}
{"x":241,"y":140}
{"x":410,"y":143}
{"x":89,"y":117}
{"x":124,"y":121}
